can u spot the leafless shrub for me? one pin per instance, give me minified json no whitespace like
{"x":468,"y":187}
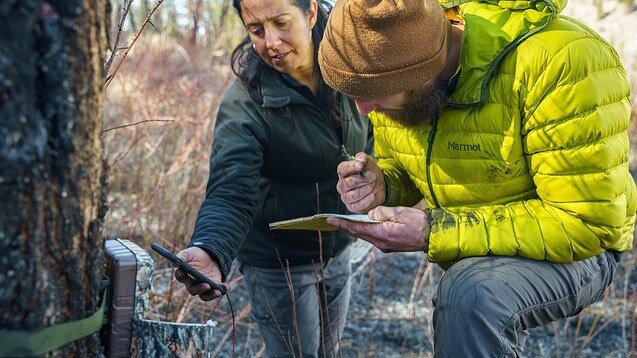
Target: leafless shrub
{"x":158,"y":168}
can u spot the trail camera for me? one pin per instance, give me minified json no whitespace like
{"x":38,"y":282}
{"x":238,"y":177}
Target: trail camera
{"x":129,"y":269}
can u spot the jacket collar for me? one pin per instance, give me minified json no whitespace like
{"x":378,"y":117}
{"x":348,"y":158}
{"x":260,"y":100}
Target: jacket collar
{"x":493,"y":28}
{"x":275,"y":92}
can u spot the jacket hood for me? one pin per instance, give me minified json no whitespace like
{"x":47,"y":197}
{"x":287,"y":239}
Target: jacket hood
{"x":492,"y":29}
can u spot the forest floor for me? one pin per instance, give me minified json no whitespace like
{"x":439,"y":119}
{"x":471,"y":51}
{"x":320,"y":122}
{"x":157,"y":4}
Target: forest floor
{"x":390,"y":316}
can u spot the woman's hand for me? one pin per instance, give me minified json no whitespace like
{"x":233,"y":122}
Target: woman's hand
{"x":200,"y":261}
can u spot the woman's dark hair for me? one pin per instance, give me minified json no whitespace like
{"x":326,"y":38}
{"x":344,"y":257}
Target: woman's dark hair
{"x":248,"y":66}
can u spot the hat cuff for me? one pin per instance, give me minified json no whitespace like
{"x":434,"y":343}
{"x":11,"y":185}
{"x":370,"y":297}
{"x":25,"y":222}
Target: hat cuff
{"x":376,"y":85}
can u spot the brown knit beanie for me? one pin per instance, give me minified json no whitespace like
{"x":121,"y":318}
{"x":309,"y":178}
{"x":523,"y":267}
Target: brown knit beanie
{"x":376,"y":48}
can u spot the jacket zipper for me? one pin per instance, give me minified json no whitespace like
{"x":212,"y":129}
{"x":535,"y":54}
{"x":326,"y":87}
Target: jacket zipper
{"x":430,"y":145}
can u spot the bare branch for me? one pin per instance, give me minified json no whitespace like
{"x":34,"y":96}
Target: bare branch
{"x":136,"y":123}
{"x":120,"y":26}
{"x":147,"y":21}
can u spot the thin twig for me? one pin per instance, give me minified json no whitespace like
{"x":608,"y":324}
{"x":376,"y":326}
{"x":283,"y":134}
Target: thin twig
{"x":290,"y":285}
{"x":328,"y":319}
{"x":371,"y":275}
{"x":361,"y":267}
{"x":185,"y":308}
{"x":230,"y":283}
{"x":591,"y":335}
{"x":288,"y":277}
{"x":120,"y":26}
{"x":321,"y":313}
{"x":119,"y":64}
{"x":580,"y":320}
{"x":136,"y":123}
{"x":633,"y":332}
{"x":426,"y":275}
{"x":567,"y":322}
{"x":416,"y":283}
{"x":628,"y":269}
{"x":556,"y":341}
{"x":428,"y":335}
{"x":423,"y":281}
{"x":230,"y":330}
{"x":246,"y":348}
{"x":261,"y":351}
{"x":339,"y":339}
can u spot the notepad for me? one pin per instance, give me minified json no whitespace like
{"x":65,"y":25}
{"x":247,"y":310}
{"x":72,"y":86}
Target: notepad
{"x":317,"y":222}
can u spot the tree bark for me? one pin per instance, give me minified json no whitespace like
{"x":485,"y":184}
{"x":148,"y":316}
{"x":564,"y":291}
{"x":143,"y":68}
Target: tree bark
{"x":52,"y":177}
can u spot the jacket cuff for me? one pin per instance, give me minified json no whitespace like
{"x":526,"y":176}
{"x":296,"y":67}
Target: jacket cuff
{"x":388,"y":197}
{"x":427,"y":212}
{"x":223,"y":263}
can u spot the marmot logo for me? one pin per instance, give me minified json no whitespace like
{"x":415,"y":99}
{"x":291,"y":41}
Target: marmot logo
{"x":465,"y":147}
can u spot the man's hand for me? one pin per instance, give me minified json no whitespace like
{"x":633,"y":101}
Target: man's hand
{"x":361,"y":183}
{"x":200,"y":261}
{"x":402,"y":229}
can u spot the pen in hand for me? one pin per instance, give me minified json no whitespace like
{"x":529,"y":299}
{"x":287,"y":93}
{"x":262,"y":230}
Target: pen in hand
{"x":347,"y":156}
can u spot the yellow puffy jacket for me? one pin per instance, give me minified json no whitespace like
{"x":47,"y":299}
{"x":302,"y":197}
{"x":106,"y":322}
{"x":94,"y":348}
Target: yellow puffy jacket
{"x":531,"y":156}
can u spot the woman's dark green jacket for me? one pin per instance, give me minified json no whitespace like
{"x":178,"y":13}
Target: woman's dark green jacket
{"x":274,"y":161}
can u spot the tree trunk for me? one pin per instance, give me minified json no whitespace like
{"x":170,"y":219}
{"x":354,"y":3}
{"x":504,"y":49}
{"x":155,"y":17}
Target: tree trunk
{"x":196,"y":15}
{"x":226,"y":5}
{"x":52,"y":178}
{"x":116,"y":16}
{"x":172,"y":28}
{"x":131,"y":18}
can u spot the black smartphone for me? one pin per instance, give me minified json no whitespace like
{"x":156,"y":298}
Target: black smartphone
{"x":177,"y":262}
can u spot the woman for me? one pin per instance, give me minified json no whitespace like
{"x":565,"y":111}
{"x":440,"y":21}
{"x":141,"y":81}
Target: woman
{"x":279,"y":137}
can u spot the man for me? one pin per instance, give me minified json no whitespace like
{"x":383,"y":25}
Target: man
{"x":510,"y":121}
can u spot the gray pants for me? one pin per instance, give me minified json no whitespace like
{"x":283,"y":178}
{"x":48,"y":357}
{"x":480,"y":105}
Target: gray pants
{"x":483,"y":305}
{"x":315,"y":322}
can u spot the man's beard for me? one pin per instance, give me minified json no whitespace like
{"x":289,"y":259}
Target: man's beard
{"x":420,"y":104}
